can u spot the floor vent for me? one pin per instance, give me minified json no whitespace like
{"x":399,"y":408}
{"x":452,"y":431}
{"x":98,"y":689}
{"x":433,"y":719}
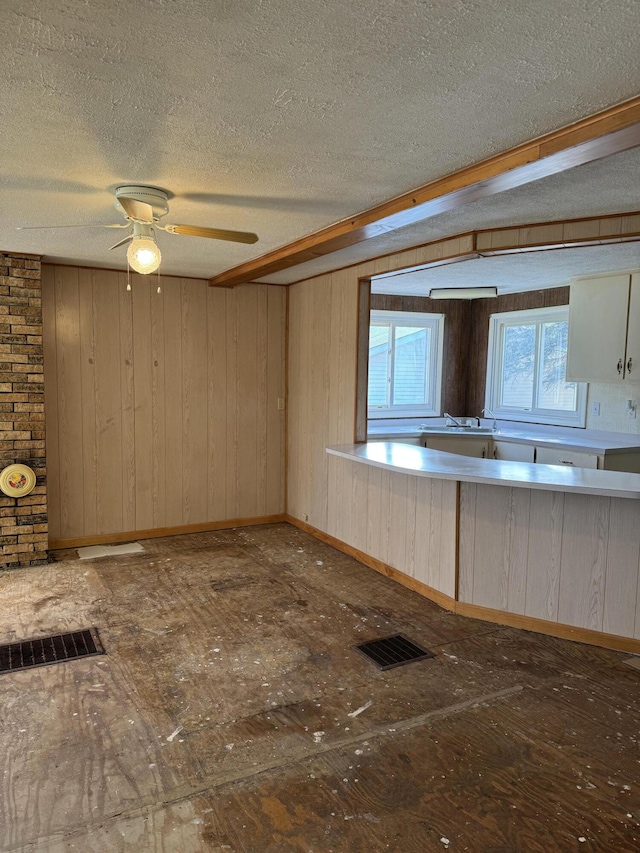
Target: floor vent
{"x":46,"y":650}
{"x":392,"y":651}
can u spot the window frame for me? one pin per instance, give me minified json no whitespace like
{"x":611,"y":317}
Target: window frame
{"x":433,"y":407}
{"x":495,"y":357}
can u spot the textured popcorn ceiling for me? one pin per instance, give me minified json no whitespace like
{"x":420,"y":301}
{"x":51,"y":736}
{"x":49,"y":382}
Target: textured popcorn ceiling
{"x":516,"y":273}
{"x":606,"y":186}
{"x":281,"y":117}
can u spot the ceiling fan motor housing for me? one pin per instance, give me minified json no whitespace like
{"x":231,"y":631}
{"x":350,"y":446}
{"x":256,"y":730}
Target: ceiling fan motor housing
{"x":158,"y":199}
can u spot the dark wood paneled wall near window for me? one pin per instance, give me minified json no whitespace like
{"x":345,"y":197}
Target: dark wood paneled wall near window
{"x":457,"y":327}
{"x":481,"y":310}
{"x":466,"y":337}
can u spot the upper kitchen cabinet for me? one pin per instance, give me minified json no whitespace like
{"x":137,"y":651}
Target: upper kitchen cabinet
{"x":604,"y":329}
{"x":632,"y":363}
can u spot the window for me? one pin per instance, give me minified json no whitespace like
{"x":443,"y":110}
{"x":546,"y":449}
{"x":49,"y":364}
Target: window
{"x":527,"y":366}
{"x":405,"y":364}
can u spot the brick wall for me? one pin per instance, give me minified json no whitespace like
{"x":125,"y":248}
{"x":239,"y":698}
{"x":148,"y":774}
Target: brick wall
{"x":23,"y":521}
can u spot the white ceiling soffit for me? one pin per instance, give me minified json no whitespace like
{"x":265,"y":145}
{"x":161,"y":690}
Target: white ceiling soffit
{"x":516,"y":273}
{"x":606,"y":186}
{"x":278,"y":117}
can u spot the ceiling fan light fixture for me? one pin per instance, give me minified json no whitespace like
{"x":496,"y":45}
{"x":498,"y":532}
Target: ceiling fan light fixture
{"x":144,"y":255}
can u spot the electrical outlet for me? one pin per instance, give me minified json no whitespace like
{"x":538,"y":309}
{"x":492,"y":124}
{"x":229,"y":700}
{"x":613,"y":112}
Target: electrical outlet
{"x":280,"y":404}
{"x":595,"y":410}
{"x":305,"y":516}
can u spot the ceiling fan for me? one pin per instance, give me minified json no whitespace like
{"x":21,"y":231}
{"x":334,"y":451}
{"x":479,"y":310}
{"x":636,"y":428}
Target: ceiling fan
{"x":143,"y":207}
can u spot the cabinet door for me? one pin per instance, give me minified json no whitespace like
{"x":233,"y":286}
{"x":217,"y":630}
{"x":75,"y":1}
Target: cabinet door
{"x":629,"y":461}
{"x":576,"y":458}
{"x":512,"y":452}
{"x":460,"y":445}
{"x":598,"y":309}
{"x":632,"y":362}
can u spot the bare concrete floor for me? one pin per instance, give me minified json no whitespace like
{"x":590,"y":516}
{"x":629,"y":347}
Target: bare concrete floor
{"x":219,"y":718}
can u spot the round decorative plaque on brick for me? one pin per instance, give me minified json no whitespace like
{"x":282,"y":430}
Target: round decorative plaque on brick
{"x":16,"y":481}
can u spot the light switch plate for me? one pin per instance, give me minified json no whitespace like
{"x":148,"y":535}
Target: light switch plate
{"x":595,"y":410}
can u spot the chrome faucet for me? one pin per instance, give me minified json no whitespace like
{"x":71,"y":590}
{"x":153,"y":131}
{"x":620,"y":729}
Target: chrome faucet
{"x":495,"y":422}
{"x":451,"y":418}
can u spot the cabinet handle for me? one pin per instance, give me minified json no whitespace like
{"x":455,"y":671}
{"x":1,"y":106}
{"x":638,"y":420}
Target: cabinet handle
{"x":484,"y":452}
{"x":619,"y":365}
{"x":565,"y":462}
{"x":629,"y":363}
{"x":495,"y":452}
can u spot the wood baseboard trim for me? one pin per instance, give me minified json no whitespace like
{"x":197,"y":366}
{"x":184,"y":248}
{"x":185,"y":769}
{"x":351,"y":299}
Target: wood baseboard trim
{"x":411,"y":583}
{"x":475,"y":611}
{"x":552,"y":629}
{"x":157,"y":532}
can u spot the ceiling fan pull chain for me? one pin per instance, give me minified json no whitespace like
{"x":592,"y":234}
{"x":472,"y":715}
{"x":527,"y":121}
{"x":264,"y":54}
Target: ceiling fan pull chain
{"x":159,"y":288}
{"x":128,"y":275}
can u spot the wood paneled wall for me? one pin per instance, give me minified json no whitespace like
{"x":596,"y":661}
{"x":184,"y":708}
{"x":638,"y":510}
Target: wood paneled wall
{"x":457,"y":327}
{"x":322,"y":384}
{"x":407,"y":522}
{"x":481,"y":310}
{"x":323,"y":333}
{"x":597,"y":590}
{"x":323,"y":344}
{"x":161,"y":409}
{"x":557,"y":556}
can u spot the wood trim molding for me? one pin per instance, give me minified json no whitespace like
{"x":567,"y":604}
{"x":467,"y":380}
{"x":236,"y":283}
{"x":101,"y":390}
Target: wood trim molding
{"x":552,"y":629}
{"x":475,"y":611}
{"x":466,"y":239}
{"x":157,"y":532}
{"x":519,"y":239}
{"x":593,"y":138}
{"x":362,"y":359}
{"x":373,"y":563}
{"x":287,"y":316}
{"x":613,"y":228}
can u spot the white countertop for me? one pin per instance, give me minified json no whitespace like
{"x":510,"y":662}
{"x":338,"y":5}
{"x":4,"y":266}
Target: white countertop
{"x":406,"y":459}
{"x":562,"y":438}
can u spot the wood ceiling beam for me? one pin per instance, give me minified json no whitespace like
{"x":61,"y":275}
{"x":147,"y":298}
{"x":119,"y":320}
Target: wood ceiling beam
{"x":601,"y":135}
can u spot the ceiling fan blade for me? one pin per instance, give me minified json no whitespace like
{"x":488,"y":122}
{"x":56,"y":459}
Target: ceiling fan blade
{"x":121,"y":242}
{"x":213,"y":233}
{"x":139,"y":210}
{"x":43,"y":227}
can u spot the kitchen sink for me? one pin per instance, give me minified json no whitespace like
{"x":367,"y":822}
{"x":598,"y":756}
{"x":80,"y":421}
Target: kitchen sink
{"x":456,"y":430}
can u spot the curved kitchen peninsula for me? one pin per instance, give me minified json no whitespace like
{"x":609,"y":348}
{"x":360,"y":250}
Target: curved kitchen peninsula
{"x":542,"y":547}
